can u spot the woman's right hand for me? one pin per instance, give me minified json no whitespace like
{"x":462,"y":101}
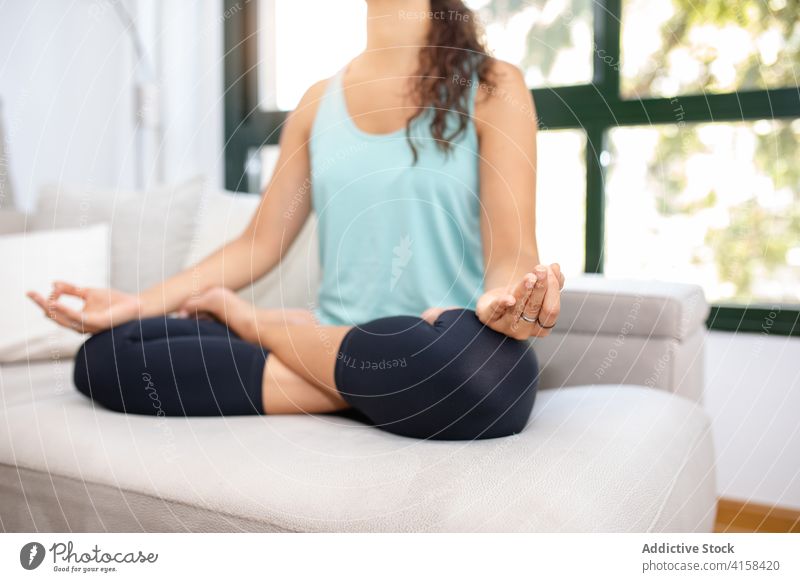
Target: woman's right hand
{"x":102,"y":308}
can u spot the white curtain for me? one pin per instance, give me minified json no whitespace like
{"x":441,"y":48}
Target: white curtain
{"x":6,"y":191}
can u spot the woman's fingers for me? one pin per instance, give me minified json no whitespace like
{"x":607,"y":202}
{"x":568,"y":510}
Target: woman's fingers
{"x":55,"y":312}
{"x":559,"y":275}
{"x":493,"y":305}
{"x":521,"y":292}
{"x":47,"y":306}
{"x":502,"y":303}
{"x":39,"y":300}
{"x":61,"y":288}
{"x":66,"y":312}
{"x":495,"y":308}
{"x":64,"y":288}
{"x":77,"y":320}
{"x":65,"y":321}
{"x":534,"y":304}
{"x":551,"y":305}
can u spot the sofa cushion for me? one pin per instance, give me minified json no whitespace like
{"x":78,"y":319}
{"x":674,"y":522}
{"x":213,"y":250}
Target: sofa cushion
{"x":151,"y":231}
{"x":610,"y":458}
{"x":12,"y":222}
{"x":39,"y":258}
{"x":574,"y":359}
{"x":594,"y":304}
{"x":223,"y":216}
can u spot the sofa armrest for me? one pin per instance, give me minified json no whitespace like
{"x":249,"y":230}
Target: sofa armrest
{"x":621,"y":331}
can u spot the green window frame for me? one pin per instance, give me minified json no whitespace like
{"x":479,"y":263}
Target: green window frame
{"x":593,"y":108}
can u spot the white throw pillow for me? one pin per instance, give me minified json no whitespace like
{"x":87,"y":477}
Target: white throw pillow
{"x":12,"y":222}
{"x":32,"y":261}
{"x":150,"y":231}
{"x":223,"y":216}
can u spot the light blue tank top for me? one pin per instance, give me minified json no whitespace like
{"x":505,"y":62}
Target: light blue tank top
{"x":395,"y":237}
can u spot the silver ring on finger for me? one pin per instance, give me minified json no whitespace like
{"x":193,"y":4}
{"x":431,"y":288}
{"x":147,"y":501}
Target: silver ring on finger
{"x":539,"y":323}
{"x":529,"y":319}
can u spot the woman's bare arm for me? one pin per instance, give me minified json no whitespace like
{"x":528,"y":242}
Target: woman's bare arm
{"x":284,"y":208}
{"x":505,"y":118}
{"x":522,"y":296}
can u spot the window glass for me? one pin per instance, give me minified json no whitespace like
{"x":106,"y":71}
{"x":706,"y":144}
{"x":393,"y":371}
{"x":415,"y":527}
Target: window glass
{"x":714,"y":204}
{"x":301,"y":42}
{"x":561,"y":199}
{"x":672,"y":47}
{"x":550,"y":40}
{"x":259,"y":167}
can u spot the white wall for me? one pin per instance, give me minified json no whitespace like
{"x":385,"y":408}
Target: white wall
{"x":67,"y":78}
{"x":753,"y":396}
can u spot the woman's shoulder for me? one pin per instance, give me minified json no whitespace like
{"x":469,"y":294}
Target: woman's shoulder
{"x":503,"y":93}
{"x":303,"y":116}
{"x":312,"y":98}
{"x":502,"y":79}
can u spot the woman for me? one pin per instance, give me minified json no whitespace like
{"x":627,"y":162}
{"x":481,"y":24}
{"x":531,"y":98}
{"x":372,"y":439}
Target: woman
{"x":421,"y":159}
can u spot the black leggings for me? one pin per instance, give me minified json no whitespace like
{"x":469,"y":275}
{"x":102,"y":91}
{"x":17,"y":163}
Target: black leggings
{"x":172,"y":367}
{"x":454,"y":380}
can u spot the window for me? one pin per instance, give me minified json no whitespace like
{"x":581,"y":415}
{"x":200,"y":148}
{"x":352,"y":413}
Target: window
{"x":669,"y":131}
{"x":673,"y":47}
{"x":712,"y":203}
{"x":551,"y":40}
{"x":561,"y":198}
{"x":287,"y":66}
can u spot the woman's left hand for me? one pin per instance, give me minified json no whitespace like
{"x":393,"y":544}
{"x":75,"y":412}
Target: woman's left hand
{"x":221,"y":304}
{"x":528,"y":309}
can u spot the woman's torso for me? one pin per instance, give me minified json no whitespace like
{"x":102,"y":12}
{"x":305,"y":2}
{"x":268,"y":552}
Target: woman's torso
{"x":395,"y":237}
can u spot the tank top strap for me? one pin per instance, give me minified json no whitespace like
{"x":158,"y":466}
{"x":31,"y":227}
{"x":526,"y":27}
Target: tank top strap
{"x":334,"y":92}
{"x":332,"y":111}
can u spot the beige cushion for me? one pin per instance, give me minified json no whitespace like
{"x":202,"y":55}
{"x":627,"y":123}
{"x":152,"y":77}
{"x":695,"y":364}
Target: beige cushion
{"x":594,"y":304}
{"x":12,"y":221}
{"x":150,"y":231}
{"x":223,"y":216}
{"x":600,"y":458}
{"x":35,"y":260}
{"x":573,"y":359}
{"x":623,"y":331}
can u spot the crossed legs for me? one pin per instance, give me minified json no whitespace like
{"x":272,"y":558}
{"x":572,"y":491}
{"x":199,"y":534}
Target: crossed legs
{"x":186,"y":367}
{"x":306,"y":384}
{"x":453,"y":378}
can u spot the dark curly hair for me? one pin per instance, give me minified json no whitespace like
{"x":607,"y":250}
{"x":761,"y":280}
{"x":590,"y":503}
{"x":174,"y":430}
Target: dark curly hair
{"x":453,"y":53}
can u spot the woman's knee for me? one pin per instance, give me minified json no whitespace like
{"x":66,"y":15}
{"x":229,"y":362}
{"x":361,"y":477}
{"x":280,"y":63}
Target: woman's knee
{"x":496,"y":376}
{"x":96,"y":363}
{"x":455,"y":379}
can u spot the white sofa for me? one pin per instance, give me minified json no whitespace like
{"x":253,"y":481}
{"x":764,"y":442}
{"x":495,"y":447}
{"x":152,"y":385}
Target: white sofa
{"x":618,"y":440}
